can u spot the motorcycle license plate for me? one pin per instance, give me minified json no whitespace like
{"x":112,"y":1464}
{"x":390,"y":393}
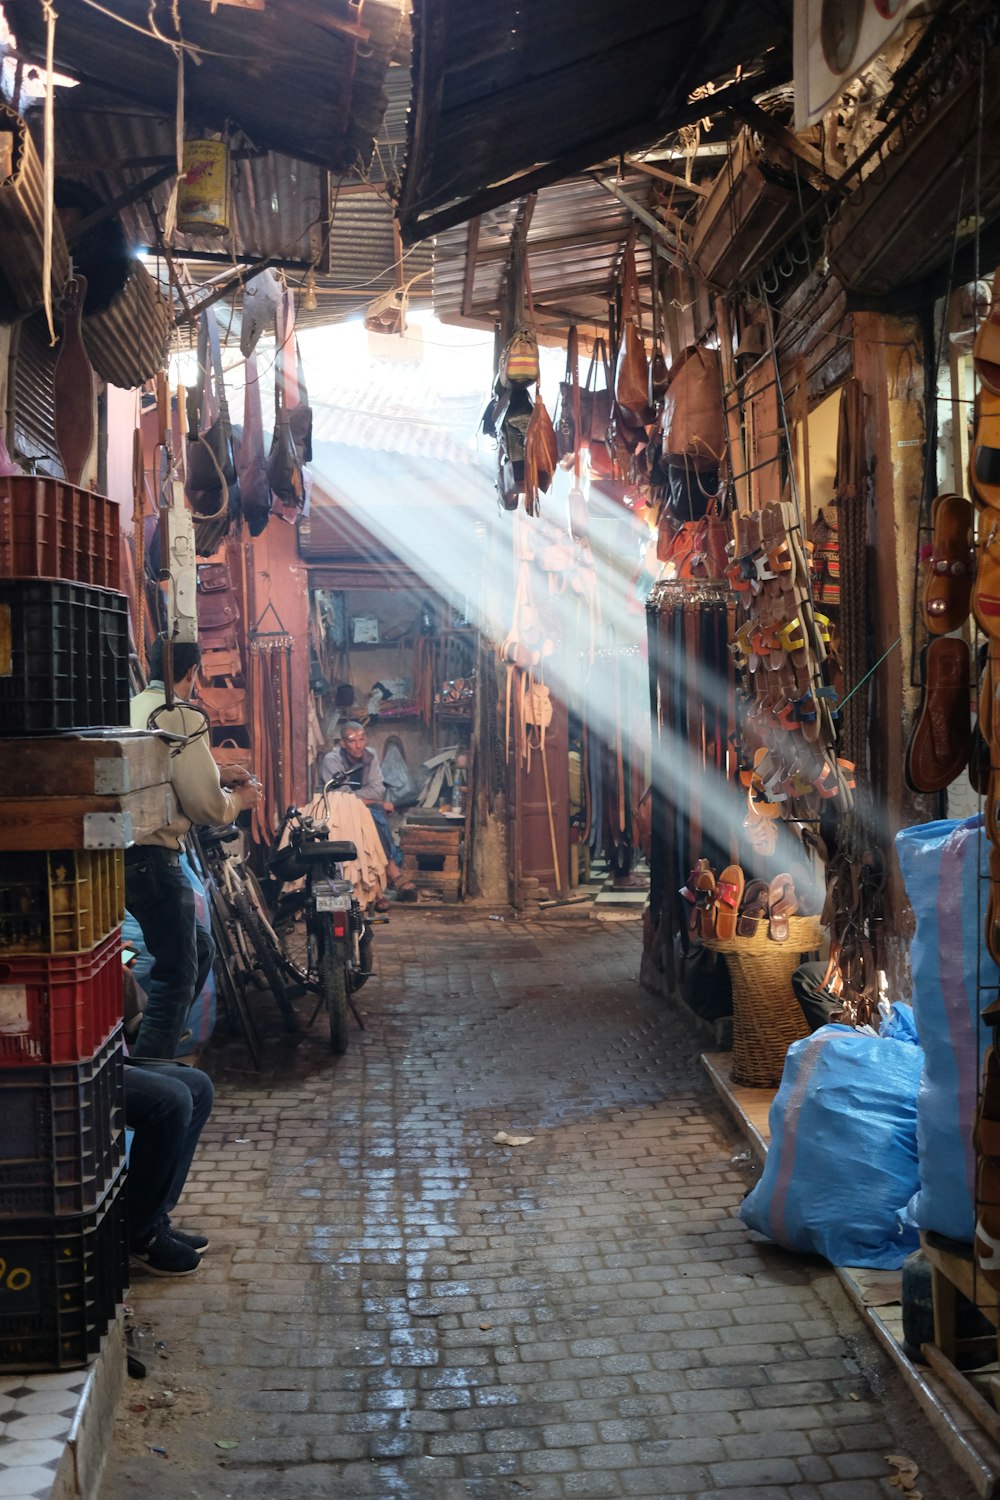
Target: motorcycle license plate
{"x":332,"y":903}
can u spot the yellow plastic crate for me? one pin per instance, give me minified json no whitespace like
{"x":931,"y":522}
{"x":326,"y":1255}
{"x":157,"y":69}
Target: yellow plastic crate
{"x":62,"y":901}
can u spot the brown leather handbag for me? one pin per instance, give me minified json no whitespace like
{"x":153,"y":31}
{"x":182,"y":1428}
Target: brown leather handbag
{"x":632,"y":368}
{"x":221,"y":662}
{"x":226,"y":706}
{"x":595,"y":411}
{"x":215,"y":611}
{"x":693,"y":418}
{"x":229,"y":753}
{"x":214,"y":578}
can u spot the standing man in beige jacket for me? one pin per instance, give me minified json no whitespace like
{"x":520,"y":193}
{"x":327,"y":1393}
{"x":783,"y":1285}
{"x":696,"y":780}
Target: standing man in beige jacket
{"x":157,"y":891}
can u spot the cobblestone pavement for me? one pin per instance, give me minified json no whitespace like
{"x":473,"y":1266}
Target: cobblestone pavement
{"x":394,"y":1306}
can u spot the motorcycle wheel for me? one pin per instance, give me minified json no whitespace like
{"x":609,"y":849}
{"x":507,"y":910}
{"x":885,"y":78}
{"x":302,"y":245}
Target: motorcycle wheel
{"x":333,"y":989}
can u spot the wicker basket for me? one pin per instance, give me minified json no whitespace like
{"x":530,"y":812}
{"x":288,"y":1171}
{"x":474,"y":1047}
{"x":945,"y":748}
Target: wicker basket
{"x":767,"y":1017}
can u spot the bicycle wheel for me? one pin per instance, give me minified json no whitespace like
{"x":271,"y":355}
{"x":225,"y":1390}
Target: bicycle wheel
{"x":264,"y":956}
{"x":297,"y":954}
{"x":333,"y":988}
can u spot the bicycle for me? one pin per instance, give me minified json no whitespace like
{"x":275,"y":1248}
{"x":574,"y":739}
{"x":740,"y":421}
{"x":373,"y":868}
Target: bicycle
{"x":325,"y":938}
{"x":246,"y":941}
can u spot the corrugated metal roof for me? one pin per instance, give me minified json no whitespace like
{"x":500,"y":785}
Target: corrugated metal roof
{"x":304,"y":77}
{"x":574,"y":247}
{"x":280,"y":204}
{"x":509,"y":97}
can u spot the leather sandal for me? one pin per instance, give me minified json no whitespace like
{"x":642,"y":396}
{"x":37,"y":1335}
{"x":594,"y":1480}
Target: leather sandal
{"x":690,"y":894}
{"x":986,"y":349}
{"x":782,"y":903}
{"x":705,"y":902}
{"x":753,"y":909}
{"x":984,"y":464}
{"x":950,"y":562}
{"x":938,"y":748}
{"x":728,"y":896}
{"x":986,"y":588}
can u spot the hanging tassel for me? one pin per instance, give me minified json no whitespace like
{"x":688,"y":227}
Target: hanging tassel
{"x":50,"y":164}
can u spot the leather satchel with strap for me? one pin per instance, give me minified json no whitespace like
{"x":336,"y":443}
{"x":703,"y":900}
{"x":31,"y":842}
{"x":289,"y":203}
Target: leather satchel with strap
{"x":226,"y":706}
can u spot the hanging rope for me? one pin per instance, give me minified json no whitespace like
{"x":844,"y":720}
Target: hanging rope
{"x":50,"y":163}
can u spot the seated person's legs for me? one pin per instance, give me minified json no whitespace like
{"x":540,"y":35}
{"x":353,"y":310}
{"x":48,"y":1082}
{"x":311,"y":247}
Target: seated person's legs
{"x":821,"y":1003}
{"x":393,"y":852}
{"x":166,"y":1106}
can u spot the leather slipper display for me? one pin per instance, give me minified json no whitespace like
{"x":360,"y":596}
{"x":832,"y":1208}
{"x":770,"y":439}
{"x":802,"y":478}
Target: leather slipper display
{"x":986,"y":349}
{"x":986,"y":589}
{"x":938,"y":749}
{"x":782,"y":904}
{"x":728,"y":896}
{"x":984,"y":465}
{"x":950,"y":563}
{"x":753,"y":909}
{"x":979,"y":748}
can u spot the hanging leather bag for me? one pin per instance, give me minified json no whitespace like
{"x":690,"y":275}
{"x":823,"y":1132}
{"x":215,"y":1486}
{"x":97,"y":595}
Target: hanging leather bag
{"x":693,"y":418}
{"x":569,"y":408}
{"x":212,"y":486}
{"x":255,"y":488}
{"x":229,"y":753}
{"x":226,"y":706}
{"x":216,"y":612}
{"x":214,"y":578}
{"x":541,"y":455}
{"x":632,"y":366}
{"x":292,"y":439}
{"x":659,"y":370}
{"x":595,"y":413}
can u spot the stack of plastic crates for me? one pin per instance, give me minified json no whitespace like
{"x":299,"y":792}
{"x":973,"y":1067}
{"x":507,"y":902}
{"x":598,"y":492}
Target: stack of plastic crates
{"x":63,"y":667}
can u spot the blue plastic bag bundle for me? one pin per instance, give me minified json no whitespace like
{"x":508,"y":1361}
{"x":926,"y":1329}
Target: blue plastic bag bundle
{"x":842,"y":1163}
{"x":201,"y":1016}
{"x":953,"y":978}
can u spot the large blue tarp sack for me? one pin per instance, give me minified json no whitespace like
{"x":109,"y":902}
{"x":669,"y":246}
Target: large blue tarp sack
{"x":201,"y":1016}
{"x":842,"y":1163}
{"x":953,"y":978}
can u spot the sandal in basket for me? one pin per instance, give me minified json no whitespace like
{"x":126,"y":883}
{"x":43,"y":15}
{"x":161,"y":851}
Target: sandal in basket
{"x":728,"y":895}
{"x":782,"y":903}
{"x":753,"y":909}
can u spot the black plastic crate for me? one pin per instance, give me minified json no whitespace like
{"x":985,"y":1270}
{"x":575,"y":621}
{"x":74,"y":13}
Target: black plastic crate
{"x":63,"y":657}
{"x":62,"y":1134}
{"x":62,"y":1281}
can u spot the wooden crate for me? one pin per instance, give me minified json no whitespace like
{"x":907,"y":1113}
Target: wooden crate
{"x":432,"y":858}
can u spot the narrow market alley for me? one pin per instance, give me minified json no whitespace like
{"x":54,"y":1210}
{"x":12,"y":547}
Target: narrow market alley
{"x":394,"y":1305}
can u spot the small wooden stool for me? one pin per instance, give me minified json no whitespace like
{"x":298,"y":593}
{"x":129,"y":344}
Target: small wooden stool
{"x":432,"y":857}
{"x":953,"y":1269}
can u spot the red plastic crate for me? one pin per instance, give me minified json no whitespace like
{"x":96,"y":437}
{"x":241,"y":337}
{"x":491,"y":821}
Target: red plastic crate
{"x":63,"y":1138}
{"x":59,"y":1008}
{"x":49,"y":529}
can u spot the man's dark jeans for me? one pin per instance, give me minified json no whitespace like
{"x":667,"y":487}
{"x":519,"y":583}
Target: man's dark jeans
{"x":166,"y":1105}
{"x":160,"y":897}
{"x":381,"y":821}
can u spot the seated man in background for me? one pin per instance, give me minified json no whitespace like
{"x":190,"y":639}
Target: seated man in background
{"x":364,"y":778}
